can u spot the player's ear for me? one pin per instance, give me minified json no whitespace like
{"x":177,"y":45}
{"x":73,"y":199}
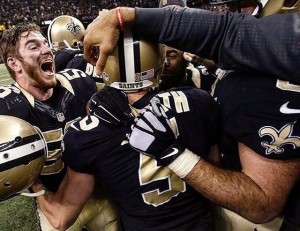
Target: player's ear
{"x":14,"y":64}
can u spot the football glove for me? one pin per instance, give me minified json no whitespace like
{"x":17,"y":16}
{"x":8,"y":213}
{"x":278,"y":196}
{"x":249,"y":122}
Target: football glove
{"x":111,"y":106}
{"x":152,"y":135}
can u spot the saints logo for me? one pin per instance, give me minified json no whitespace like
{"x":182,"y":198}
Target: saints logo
{"x":279,"y":138}
{"x":73,"y":28}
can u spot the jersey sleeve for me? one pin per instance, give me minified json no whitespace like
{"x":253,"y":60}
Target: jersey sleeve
{"x":262,"y":113}
{"x":234,"y":41}
{"x":88,"y":143}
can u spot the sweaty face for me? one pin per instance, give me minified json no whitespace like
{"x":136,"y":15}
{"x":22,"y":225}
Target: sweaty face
{"x":37,"y":63}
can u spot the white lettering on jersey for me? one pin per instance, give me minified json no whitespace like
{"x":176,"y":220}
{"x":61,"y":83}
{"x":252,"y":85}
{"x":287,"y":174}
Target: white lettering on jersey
{"x":179,"y":98}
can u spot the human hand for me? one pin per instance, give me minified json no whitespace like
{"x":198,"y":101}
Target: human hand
{"x":111,"y":106}
{"x":102,"y":34}
{"x":192,"y":58}
{"x":152,"y":135}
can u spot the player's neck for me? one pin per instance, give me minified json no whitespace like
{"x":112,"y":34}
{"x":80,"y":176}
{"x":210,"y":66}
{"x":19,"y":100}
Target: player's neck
{"x":38,"y":93}
{"x":135,"y":96}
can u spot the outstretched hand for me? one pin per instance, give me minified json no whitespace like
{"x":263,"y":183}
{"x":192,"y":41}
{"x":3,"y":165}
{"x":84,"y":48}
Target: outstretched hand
{"x":102,"y":34}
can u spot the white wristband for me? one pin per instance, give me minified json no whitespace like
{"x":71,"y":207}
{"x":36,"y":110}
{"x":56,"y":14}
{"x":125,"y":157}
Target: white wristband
{"x":184,"y":163}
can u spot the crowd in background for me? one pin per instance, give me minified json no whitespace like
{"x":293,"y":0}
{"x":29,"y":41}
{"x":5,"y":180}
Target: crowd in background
{"x":41,"y":11}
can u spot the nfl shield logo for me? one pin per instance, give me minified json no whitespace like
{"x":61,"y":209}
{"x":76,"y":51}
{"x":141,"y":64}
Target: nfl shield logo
{"x":60,"y":117}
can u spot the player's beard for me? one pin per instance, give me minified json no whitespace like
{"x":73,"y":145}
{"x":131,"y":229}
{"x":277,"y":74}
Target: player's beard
{"x":170,"y":78}
{"x":34,"y":71}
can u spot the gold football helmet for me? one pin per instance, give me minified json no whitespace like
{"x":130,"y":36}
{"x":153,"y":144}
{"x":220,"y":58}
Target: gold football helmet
{"x":23,"y":152}
{"x":65,"y":32}
{"x":134,"y":64}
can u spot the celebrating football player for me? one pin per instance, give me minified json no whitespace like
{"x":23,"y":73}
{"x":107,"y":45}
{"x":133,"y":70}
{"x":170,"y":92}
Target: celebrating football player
{"x":49,"y":101}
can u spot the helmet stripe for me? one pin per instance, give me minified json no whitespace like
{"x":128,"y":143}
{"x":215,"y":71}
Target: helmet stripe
{"x":28,"y":150}
{"x":137,"y":56}
{"x":121,"y":58}
{"x":129,"y":56}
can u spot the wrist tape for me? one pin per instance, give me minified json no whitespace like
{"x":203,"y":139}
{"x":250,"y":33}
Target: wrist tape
{"x":184,"y":163}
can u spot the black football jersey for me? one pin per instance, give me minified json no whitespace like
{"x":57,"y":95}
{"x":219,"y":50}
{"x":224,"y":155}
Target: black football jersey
{"x":78,"y":62}
{"x":149,"y":196}
{"x":261,"y":112}
{"x":52,"y":116}
{"x":63,"y":56}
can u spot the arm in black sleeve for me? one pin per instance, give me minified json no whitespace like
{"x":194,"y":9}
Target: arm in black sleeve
{"x":234,"y":41}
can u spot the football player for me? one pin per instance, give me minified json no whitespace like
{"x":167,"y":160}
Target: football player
{"x":233,"y":41}
{"x":49,"y":101}
{"x":65,"y":35}
{"x":148,"y":195}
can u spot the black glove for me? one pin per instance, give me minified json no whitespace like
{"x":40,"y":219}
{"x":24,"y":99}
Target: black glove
{"x":111,"y":105}
{"x":152,"y":135}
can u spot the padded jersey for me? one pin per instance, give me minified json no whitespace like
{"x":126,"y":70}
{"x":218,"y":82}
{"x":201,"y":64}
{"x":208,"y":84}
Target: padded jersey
{"x":52,"y":116}
{"x":263,"y":113}
{"x":69,"y":58}
{"x":149,"y":196}
{"x":63,"y":56}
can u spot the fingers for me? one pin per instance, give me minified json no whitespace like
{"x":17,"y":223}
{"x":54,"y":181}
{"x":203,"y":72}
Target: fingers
{"x":155,"y":103}
{"x":100,"y":64}
{"x":100,"y":39}
{"x":188,"y":56}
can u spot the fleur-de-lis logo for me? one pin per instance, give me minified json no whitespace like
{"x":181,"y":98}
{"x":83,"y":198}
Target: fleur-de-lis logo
{"x":73,"y":28}
{"x":279,"y":138}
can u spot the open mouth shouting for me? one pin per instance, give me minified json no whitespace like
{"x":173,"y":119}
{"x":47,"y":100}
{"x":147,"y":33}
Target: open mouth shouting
{"x":47,"y":67}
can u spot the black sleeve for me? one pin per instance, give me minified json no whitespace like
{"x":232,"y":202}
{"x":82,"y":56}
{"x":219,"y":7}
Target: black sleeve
{"x":234,"y":41}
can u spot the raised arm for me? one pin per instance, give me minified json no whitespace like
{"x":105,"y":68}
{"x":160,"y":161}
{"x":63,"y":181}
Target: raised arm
{"x":234,"y":41}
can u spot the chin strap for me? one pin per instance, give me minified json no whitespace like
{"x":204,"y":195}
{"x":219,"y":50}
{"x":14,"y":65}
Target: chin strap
{"x":33,"y":194}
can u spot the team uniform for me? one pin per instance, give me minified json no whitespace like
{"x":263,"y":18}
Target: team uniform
{"x":263,"y":113}
{"x":53,"y":116}
{"x":69,"y":58}
{"x":149,"y":196}
{"x":63,"y":56}
{"x":78,"y":62}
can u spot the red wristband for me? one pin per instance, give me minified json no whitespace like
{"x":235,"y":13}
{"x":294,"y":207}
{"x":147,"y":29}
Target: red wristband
{"x":120,"y":18}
